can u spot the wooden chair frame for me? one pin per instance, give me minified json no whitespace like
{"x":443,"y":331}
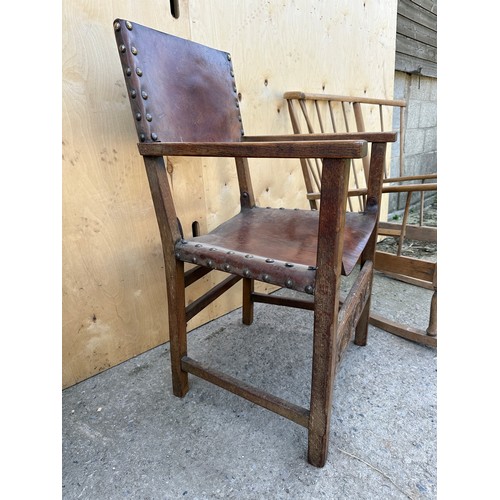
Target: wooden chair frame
{"x":334,"y":248}
{"x":314,"y":114}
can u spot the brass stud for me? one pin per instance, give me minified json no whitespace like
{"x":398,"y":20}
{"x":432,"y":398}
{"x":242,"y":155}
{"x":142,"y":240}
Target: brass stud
{"x":226,"y":267}
{"x":210,"y":263}
{"x":139,"y":71}
{"x":144,"y":94}
{"x":266,"y":277}
{"x":311,"y":268}
{"x":123,"y":48}
{"x":234,"y":88}
{"x":246,"y":273}
{"x":117,"y":26}
{"x":212,"y":249}
{"x":248,"y":256}
{"x":309,"y":289}
{"x":229,"y":57}
{"x":133,"y":94}
{"x":194,"y":260}
{"x":198,"y":245}
{"x":148,"y":117}
{"x":269,"y":261}
{"x":128,"y":71}
{"x":287,"y":264}
{"x":230,"y":252}
{"x":142,"y":137}
{"x":128,"y":24}
{"x":184,"y":242}
{"x":177,"y":255}
{"x":154,"y":136}
{"x":138,"y":117}
{"x":134,"y":51}
{"x":232,"y":73}
{"x":289,"y":283}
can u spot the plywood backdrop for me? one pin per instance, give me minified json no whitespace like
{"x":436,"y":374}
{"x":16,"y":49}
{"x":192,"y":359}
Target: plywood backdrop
{"x":114,"y":300}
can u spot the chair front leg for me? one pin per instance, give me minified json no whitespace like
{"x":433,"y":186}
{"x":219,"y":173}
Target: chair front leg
{"x":324,"y":367}
{"x":177,"y":324}
{"x":335,"y":178}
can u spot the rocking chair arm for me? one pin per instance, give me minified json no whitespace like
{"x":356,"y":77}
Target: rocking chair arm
{"x":364,"y":136}
{"x":263,"y":149}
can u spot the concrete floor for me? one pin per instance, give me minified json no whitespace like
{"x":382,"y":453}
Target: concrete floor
{"x":126,"y":436}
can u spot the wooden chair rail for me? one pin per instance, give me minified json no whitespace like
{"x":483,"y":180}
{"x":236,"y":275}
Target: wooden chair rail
{"x":411,"y":178}
{"x":415,"y":188}
{"x":408,"y":188}
{"x":343,"y":98}
{"x":413,"y":232}
{"x":206,"y":299}
{"x":262,"y":398}
{"x":389,"y":136}
{"x":194,"y":274}
{"x":277,"y":149}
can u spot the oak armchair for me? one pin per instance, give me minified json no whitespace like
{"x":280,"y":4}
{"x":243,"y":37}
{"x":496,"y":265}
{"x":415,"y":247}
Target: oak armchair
{"x":184,"y":103}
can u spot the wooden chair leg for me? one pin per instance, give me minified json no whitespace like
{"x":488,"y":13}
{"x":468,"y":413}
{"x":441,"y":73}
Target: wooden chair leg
{"x":361,"y":335}
{"x":432,"y":328}
{"x":248,"y":287}
{"x":177,"y":327}
{"x":323,"y":372}
{"x":404,"y":223}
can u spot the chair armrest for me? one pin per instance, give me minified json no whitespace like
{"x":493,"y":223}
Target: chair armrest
{"x":266,"y":149}
{"x":409,"y":178}
{"x":346,"y":98}
{"x":409,"y":188}
{"x":364,"y":136}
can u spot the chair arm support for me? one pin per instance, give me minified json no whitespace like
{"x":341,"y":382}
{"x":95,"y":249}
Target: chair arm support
{"x":364,"y":136}
{"x":268,"y":149}
{"x":409,"y":188}
{"x":409,"y":178}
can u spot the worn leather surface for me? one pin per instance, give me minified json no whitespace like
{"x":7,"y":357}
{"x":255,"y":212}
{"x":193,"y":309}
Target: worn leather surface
{"x":277,"y":246}
{"x":187,"y":85}
{"x":181,"y":91}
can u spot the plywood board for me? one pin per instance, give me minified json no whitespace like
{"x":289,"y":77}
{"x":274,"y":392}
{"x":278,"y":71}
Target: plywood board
{"x":340,"y":47}
{"x":113,"y":285}
{"x":114,"y":301}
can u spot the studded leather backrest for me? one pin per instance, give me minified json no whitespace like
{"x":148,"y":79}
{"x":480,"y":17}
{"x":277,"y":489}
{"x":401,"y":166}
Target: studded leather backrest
{"x":179,"y":90}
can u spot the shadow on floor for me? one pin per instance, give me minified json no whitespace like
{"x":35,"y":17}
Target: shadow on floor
{"x":126,"y":436}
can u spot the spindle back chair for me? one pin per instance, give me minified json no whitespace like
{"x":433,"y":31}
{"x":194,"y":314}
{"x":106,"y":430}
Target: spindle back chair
{"x":323,"y":114}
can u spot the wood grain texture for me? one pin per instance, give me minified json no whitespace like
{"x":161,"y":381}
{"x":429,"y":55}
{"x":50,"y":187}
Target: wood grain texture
{"x":113,"y":272}
{"x":114,"y":292}
{"x":276,"y":149}
{"x":416,"y":38}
